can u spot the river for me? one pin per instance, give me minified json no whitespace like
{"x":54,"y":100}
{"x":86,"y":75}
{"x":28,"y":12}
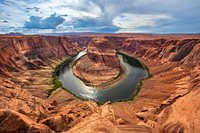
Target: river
{"x":122,"y":90}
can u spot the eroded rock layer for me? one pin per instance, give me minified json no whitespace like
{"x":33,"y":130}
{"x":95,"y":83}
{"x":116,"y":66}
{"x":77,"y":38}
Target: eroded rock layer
{"x":100,"y":66}
{"x":167,"y":102}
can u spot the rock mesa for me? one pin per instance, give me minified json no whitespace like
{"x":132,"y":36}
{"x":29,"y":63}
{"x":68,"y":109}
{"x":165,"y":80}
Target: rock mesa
{"x":100,"y":66}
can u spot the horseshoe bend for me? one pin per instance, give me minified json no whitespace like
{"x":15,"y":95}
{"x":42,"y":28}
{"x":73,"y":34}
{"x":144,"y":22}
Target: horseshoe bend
{"x":32,"y":98}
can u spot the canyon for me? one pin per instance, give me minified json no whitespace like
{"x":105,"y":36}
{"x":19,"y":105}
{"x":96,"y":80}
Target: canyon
{"x":166,"y":102}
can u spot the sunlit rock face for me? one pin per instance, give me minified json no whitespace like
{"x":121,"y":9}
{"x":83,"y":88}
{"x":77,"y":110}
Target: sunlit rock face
{"x":101,"y":52}
{"x":101,"y":64}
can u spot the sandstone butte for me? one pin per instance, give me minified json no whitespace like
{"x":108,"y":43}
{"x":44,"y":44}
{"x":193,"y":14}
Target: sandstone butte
{"x":168,"y":102}
{"x":100,"y":67}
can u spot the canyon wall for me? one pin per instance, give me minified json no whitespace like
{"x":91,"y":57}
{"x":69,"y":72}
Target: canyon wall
{"x":183,"y":51}
{"x":32,"y":52}
{"x":167,"y":102}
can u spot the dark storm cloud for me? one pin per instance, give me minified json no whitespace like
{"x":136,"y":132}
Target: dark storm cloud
{"x":51,"y":22}
{"x":5,"y":21}
{"x":95,"y":25}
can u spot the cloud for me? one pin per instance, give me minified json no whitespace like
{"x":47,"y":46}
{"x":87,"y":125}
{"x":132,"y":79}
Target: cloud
{"x":94,"y":24}
{"x":139,"y":23}
{"x":5,"y":21}
{"x":50,"y":22}
{"x":156,"y":16}
{"x":36,"y":9}
{"x":135,"y":20}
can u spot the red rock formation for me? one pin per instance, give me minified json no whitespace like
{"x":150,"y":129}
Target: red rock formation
{"x":175,"y":50}
{"x":100,"y":66}
{"x":15,"y":98}
{"x":116,"y":41}
{"x":182,"y":115}
{"x":140,"y":47}
{"x":101,"y":52}
{"x":31,"y":52}
{"x":167,"y":102}
{"x":175,"y":65}
{"x":82,"y":41}
{"x":11,"y":121}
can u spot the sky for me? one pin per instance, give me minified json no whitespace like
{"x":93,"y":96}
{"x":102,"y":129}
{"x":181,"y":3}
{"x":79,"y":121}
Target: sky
{"x":100,"y":16}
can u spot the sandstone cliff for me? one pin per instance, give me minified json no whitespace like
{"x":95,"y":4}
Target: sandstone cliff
{"x":32,"y":52}
{"x":167,"y":102}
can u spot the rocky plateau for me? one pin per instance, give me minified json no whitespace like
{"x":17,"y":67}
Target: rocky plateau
{"x":166,"y":103}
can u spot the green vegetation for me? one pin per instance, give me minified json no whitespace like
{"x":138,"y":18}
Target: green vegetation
{"x":135,"y":62}
{"x":131,"y":98}
{"x":132,"y":60}
{"x":149,"y":74}
{"x":55,"y":82}
{"x":100,"y":103}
